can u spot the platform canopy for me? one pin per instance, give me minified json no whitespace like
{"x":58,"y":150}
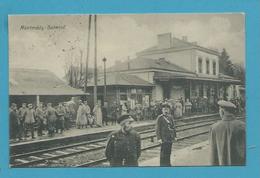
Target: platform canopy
{"x":165,"y":76}
{"x":38,"y":82}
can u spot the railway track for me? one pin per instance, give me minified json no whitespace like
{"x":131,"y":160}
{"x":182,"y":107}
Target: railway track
{"x":31,"y":159}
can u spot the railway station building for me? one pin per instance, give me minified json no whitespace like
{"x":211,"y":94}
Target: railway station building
{"x":36,"y":85}
{"x":173,"y":69}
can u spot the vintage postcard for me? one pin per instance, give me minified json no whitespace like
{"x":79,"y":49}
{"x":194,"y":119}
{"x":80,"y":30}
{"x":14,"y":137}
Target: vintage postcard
{"x":127,"y":90}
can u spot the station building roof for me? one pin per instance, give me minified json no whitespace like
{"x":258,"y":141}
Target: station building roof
{"x":38,"y":82}
{"x":121,"y":79}
{"x":146,"y":63}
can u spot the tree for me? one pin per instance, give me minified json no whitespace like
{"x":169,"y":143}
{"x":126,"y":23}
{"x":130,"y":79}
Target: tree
{"x":75,"y":71}
{"x":239,"y":72}
{"x":225,"y":64}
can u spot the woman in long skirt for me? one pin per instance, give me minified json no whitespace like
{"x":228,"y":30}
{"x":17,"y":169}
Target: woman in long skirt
{"x":81,"y":120}
{"x":98,"y":115}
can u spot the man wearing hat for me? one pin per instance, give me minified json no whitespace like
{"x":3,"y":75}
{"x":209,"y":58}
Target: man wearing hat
{"x":124,"y":146}
{"x":165,"y":131}
{"x":29,"y":120}
{"x":227,"y":138}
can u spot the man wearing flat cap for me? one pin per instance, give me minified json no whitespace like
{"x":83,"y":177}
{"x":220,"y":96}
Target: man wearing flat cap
{"x":124,"y":146}
{"x":165,"y":131}
{"x":227,"y":138}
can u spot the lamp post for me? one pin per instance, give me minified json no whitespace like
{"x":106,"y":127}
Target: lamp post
{"x":105,"y":79}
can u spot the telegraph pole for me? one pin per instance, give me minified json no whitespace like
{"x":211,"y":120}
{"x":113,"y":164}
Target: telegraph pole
{"x":87,"y":58}
{"x":105,"y":80}
{"x":95,"y":61}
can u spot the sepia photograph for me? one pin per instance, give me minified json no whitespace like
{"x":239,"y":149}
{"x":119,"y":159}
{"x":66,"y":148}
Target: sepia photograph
{"x":127,"y":90}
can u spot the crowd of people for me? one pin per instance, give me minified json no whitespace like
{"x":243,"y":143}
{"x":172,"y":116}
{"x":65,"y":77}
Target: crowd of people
{"x":46,"y":119}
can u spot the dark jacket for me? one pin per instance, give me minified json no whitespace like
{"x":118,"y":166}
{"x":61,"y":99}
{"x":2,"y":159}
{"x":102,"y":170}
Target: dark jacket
{"x":227,"y":142}
{"x":165,"y":129}
{"x":123,"y":149}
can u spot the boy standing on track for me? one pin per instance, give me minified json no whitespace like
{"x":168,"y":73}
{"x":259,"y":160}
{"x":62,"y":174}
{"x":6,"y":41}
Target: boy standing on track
{"x":124,"y":146}
{"x":165,"y":131}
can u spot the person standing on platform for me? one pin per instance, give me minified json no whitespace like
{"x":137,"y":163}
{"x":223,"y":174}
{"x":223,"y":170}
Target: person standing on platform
{"x":227,"y":138}
{"x":165,"y":132}
{"x":60,"y":121}
{"x":88,"y":114}
{"x":104,"y":114}
{"x":29,"y":120}
{"x":67,"y":117}
{"x":14,"y":122}
{"x":51,"y":119}
{"x":178,"y":109}
{"x":40,"y":119}
{"x":124,"y":146}
{"x":21,"y":112}
{"x":98,"y":114}
{"x":81,"y":116}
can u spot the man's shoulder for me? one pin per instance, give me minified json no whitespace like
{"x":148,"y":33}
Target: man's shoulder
{"x":114,"y":134}
{"x":217,"y":125}
{"x":160,"y":116}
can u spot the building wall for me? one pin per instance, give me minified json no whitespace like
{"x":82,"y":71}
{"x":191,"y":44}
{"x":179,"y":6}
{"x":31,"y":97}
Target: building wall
{"x":181,"y":58}
{"x":206,"y":56}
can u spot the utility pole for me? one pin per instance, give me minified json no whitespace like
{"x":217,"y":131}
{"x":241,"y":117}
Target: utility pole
{"x":105,"y":80}
{"x":87,"y":58}
{"x":95,"y":61}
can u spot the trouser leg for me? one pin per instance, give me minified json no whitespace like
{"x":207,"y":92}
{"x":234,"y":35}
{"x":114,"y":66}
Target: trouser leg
{"x":165,"y":155}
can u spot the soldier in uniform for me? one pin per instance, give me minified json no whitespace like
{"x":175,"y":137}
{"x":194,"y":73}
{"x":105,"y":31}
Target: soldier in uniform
{"x":227,"y":138}
{"x":14,"y":122}
{"x":165,"y":131}
{"x":60,"y":119}
{"x":124,"y":146}
{"x":21,"y":114}
{"x":51,"y":119}
{"x":39,"y":119}
{"x":29,"y":120}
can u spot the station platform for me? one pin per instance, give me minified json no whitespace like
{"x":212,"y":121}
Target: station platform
{"x":73,"y":132}
{"x":78,"y":132}
{"x":195,"y":155}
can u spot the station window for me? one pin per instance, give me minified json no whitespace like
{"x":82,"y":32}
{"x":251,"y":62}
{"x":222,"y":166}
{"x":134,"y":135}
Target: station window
{"x":207,"y":66}
{"x":200,"y":65}
{"x":214,"y":68}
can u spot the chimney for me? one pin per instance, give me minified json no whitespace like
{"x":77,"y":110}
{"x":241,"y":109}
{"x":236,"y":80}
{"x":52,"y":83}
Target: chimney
{"x":184,"y":38}
{"x":164,"y":40}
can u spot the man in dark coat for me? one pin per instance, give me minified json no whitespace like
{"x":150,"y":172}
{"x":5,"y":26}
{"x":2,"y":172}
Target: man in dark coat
{"x":14,"y":122}
{"x":227,"y":138}
{"x":165,"y":131}
{"x":124,"y":146}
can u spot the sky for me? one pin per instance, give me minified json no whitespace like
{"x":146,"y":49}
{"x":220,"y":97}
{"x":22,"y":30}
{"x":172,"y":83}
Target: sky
{"x":53,"y":41}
